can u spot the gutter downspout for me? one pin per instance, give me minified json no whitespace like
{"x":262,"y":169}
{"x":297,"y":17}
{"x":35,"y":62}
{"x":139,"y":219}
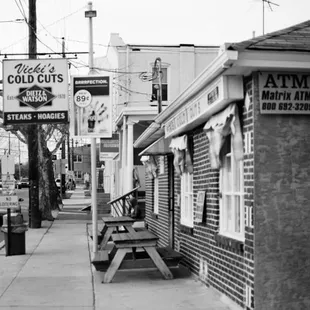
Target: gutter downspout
{"x":124,"y":155}
{"x":128,"y":69}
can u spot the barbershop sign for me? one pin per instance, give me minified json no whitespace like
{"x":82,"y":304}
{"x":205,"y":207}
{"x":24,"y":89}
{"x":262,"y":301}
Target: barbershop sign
{"x":35,"y":91}
{"x":218,"y":94}
{"x":284,"y":93}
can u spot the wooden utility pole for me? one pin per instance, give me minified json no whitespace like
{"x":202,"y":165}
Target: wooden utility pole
{"x":33,"y":131}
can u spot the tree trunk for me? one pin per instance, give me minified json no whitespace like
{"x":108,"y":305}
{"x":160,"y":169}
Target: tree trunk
{"x":49,"y":196}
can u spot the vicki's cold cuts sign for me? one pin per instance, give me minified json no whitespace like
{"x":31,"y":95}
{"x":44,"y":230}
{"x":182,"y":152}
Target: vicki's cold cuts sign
{"x":35,"y":91}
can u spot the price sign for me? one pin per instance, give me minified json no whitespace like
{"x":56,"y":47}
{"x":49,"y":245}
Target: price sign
{"x":82,"y":98}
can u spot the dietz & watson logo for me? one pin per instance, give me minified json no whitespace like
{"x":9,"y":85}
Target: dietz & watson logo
{"x":35,"y":96}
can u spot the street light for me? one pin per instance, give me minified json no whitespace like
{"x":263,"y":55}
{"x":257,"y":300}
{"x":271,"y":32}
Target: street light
{"x":159,"y":88}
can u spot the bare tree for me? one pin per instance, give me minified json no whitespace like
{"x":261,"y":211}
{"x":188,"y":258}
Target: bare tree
{"x":49,"y":196}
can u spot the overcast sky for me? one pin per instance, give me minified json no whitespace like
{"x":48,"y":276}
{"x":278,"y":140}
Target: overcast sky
{"x":199,"y":22}
{"x":169,"y":22}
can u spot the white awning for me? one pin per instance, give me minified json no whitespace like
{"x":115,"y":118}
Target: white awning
{"x":159,"y":147}
{"x":218,"y":128}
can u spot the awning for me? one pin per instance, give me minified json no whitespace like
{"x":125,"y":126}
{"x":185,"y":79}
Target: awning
{"x":150,"y":166}
{"x":159,"y":147}
{"x":218,"y":128}
{"x":182,"y":158}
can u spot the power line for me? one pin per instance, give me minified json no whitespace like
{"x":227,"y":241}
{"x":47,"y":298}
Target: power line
{"x":55,"y":22}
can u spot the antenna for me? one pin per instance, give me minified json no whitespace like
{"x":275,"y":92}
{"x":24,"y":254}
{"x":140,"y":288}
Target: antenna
{"x":270,"y":7}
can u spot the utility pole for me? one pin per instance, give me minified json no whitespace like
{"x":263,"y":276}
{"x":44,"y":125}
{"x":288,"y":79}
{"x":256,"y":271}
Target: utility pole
{"x":33,"y":131}
{"x":63,"y":145}
{"x":72,"y":155}
{"x":19,"y":168}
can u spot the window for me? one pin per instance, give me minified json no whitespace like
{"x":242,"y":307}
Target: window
{"x":77,"y":158}
{"x":187,"y":211}
{"x":78,"y":174}
{"x":232,"y":195}
{"x":164,"y":84}
{"x":155,"y":196}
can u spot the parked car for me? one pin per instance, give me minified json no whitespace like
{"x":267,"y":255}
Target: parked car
{"x":24,"y":182}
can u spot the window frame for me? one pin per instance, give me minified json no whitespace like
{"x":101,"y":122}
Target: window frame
{"x":187,"y":200}
{"x":78,"y":174}
{"x":166,"y":67}
{"x":236,"y":230}
{"x":76,"y":158}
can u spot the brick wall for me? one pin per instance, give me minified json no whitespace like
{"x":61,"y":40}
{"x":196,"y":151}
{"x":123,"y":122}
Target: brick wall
{"x":218,"y":263}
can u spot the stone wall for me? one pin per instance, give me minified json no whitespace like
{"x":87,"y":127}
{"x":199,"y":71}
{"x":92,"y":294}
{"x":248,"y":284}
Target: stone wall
{"x":282,"y":217}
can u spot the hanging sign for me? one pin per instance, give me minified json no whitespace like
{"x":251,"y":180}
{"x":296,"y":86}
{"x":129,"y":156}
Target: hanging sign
{"x":284,"y":93}
{"x":109,"y":147}
{"x":91,"y":107}
{"x":35,"y":91}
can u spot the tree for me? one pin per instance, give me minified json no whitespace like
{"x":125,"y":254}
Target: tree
{"x":44,"y":198}
{"x":49,"y":198}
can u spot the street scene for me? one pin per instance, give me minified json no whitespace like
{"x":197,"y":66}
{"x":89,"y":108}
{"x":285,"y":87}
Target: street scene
{"x":154,"y":155}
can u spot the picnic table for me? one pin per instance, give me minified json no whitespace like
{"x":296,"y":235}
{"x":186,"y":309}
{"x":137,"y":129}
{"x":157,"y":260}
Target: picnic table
{"x":110,"y":224}
{"x":124,"y":242}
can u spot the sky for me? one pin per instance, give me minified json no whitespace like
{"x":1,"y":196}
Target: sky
{"x":167,"y":22}
{"x":162,"y":22}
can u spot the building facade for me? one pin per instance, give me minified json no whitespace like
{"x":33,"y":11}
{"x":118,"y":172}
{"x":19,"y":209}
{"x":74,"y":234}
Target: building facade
{"x":228,"y":172}
{"x":136,"y":79}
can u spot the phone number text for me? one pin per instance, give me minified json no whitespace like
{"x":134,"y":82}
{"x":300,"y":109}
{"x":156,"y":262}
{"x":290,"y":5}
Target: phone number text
{"x":285,"y":107}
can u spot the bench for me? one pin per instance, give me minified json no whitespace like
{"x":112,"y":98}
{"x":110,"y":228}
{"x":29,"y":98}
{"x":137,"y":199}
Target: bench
{"x":141,"y":260}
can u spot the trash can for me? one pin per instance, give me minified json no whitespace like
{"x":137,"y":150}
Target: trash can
{"x":18,"y":238}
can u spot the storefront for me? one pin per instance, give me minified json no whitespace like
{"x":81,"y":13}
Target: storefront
{"x":230,"y":189}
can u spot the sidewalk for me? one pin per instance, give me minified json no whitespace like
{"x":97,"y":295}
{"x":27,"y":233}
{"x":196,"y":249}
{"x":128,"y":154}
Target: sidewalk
{"x":56,"y":273}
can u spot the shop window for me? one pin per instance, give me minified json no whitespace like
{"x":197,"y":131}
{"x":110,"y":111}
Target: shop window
{"x":156,"y":209}
{"x":187,"y":212}
{"x":164,"y":84}
{"x":231,"y":193}
{"x":77,"y":158}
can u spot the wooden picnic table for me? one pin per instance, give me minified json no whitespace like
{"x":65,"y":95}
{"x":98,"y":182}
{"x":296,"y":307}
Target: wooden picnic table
{"x":123,"y":242}
{"x":112,"y":223}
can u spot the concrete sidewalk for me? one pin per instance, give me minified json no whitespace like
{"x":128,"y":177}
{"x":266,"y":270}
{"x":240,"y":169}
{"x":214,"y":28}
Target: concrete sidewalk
{"x":56,"y":273}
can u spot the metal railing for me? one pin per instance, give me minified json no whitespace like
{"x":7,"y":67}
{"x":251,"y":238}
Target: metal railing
{"x":120,"y":206}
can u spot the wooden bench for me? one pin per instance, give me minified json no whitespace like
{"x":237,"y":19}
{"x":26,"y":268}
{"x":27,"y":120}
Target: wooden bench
{"x":112,"y":224}
{"x":130,"y":242}
{"x":141,"y":260}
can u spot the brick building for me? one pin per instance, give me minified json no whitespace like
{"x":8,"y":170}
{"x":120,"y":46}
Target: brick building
{"x":230,"y":159}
